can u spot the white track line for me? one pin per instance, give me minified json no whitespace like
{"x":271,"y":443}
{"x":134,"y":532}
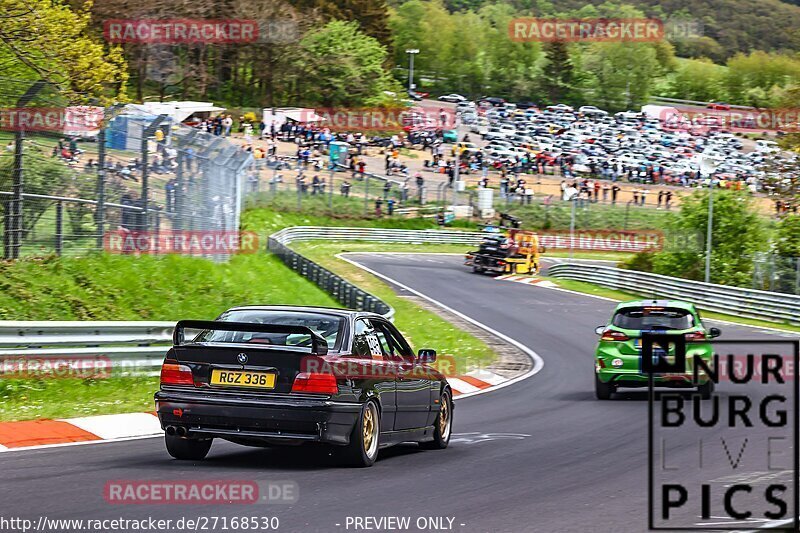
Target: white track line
{"x":538,"y":362}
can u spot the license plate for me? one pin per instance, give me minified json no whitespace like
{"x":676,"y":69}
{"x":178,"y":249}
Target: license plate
{"x":243,"y":378}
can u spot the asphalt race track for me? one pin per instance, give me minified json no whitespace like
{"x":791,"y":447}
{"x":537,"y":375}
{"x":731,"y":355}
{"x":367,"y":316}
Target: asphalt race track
{"x":539,"y":455}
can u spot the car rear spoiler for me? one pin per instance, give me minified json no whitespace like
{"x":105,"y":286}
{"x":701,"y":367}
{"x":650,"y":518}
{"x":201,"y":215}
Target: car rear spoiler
{"x":319,"y":346}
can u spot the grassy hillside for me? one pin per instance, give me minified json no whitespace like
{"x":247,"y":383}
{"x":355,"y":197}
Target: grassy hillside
{"x":114,"y":287}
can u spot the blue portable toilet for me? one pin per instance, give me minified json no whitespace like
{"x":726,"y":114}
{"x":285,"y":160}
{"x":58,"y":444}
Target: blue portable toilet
{"x":337,"y":151}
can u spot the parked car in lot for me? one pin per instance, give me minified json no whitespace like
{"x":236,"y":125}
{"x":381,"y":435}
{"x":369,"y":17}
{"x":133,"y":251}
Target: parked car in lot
{"x":526,"y":104}
{"x":285,"y":375}
{"x":592,"y":110}
{"x":618,"y":357}
{"x":492,"y":100}
{"x":453,"y":98}
{"x":560,"y":108}
{"x":628,"y":115}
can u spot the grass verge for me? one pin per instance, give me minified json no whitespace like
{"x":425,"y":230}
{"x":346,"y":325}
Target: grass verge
{"x":28,"y":399}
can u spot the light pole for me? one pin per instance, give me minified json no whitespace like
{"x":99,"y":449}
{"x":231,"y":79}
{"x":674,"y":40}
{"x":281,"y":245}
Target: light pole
{"x":707,"y":167}
{"x":411,"y":53}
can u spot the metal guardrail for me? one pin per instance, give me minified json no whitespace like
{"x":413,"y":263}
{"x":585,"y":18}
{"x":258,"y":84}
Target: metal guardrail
{"x":435,"y":236}
{"x":131,"y":348}
{"x":725,"y":299}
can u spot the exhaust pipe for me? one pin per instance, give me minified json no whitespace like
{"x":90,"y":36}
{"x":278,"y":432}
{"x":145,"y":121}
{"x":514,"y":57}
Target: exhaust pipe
{"x":170,"y":430}
{"x":181,"y":431}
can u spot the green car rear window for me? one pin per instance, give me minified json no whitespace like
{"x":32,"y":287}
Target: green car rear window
{"x":653,"y":318}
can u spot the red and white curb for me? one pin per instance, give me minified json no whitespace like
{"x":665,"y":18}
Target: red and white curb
{"x":527,"y":280}
{"x":34,"y":434}
{"x":474,"y":381}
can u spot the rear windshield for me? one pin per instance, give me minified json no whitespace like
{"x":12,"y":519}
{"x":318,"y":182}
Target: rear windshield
{"x":329,"y":327}
{"x":653,"y":318}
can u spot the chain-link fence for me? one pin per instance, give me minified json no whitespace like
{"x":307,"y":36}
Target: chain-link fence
{"x":319,"y":187}
{"x":776,"y":273}
{"x":132,"y":187}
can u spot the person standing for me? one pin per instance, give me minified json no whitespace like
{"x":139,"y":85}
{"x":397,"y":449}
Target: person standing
{"x":635,"y":195}
{"x":644,"y":195}
{"x":668,"y":199}
{"x":614,"y":192}
{"x":378,"y":205}
{"x":660,"y":199}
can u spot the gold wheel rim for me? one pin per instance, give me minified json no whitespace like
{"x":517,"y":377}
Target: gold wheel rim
{"x":444,"y":417}
{"x":368,"y":432}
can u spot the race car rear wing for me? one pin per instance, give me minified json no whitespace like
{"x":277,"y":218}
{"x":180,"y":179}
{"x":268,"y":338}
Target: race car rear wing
{"x":319,"y":346}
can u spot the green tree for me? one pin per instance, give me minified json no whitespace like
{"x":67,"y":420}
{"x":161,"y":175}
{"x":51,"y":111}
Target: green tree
{"x":737,"y":234}
{"x":42,"y":174}
{"x":787,"y":238}
{"x":340,"y":65}
{"x":557,"y":73}
{"x":622,"y":73}
{"x":698,"y":79}
{"x":43,"y":39}
{"x":753,"y":79}
{"x":371,"y":15}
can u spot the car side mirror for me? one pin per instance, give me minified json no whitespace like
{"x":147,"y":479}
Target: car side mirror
{"x":599,"y":330}
{"x":426,"y":356}
{"x":714,"y":332}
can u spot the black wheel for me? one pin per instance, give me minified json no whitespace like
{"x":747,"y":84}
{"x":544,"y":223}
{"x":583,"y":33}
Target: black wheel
{"x":187,"y":449}
{"x":603,"y":391}
{"x":442,"y":425}
{"x":363,"y":447}
{"x":476,"y":269}
{"x":706,"y":390}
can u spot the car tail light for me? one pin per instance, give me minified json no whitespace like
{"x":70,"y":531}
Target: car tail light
{"x":612,"y":335}
{"x":314,"y":382}
{"x":696,"y":336}
{"x":173,"y":373}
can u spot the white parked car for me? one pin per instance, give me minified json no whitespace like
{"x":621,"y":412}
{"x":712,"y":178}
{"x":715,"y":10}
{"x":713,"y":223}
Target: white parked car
{"x":628,"y":115}
{"x":767,"y":147}
{"x":560,"y":108}
{"x":454,"y":98}
{"x":592,"y":110}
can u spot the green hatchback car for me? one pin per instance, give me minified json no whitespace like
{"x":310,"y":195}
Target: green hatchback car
{"x":618,"y":359}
